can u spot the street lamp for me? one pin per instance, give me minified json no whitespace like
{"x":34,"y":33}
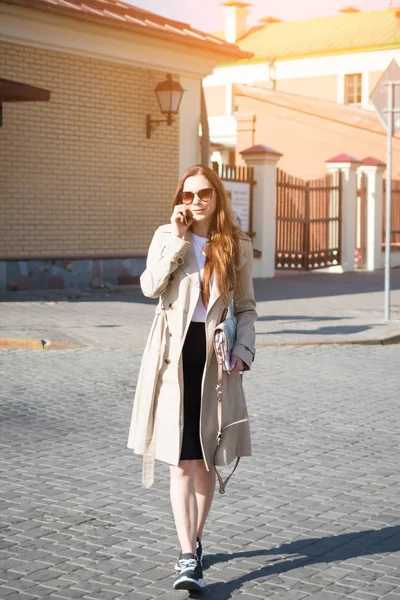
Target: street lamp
{"x":169,"y":95}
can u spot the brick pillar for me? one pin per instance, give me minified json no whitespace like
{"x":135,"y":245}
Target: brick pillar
{"x":348,"y":165}
{"x":264,"y":160}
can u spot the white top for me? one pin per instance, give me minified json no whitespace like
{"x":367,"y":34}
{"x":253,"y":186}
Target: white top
{"x":199,"y":315}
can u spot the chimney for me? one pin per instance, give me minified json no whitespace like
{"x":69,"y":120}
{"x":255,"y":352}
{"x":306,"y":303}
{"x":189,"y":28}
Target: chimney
{"x":269,"y":20}
{"x":235,"y":19}
{"x":348,"y":9}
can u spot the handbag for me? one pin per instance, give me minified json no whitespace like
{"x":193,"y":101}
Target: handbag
{"x":224,"y":340}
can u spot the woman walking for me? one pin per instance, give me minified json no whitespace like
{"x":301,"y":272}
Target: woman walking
{"x":195,"y":266}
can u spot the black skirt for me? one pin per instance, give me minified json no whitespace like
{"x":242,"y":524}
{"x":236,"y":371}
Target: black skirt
{"x":194,"y":358}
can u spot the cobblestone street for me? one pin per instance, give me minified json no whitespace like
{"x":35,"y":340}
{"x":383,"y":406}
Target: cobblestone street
{"x":314,"y":514}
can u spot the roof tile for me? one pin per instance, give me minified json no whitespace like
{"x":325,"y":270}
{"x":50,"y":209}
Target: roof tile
{"x":114,"y":13}
{"x":353,"y":116}
{"x":326,"y":35}
{"x":343,"y":158}
{"x":260,"y":149}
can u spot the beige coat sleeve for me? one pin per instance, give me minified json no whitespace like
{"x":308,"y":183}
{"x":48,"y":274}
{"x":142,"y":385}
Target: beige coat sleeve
{"x":165,"y":254}
{"x":245,"y":311}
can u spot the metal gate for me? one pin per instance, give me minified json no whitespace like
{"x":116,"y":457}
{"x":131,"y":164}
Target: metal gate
{"x":395,"y":216}
{"x":308,"y":222}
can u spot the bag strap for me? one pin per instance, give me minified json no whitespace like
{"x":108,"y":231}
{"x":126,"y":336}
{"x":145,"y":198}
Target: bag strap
{"x":222,"y":483}
{"x":231,"y":308}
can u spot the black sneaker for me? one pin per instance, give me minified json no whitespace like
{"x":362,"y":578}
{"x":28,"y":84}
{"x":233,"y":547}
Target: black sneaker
{"x":199,"y":552}
{"x":191,"y":574}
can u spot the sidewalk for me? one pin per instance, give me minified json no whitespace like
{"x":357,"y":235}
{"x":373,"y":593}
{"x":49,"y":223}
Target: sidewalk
{"x":313,"y":515}
{"x":294,"y":309}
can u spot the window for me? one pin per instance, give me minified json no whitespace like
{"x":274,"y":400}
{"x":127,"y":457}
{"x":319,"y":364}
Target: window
{"x":353,"y":89}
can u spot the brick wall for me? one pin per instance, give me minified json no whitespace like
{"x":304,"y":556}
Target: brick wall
{"x":78,"y":176}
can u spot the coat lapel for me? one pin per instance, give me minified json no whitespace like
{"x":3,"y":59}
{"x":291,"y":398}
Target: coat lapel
{"x":214,"y":293}
{"x":190,"y":266}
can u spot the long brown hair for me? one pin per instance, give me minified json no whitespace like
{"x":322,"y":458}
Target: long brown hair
{"x":223,"y":248}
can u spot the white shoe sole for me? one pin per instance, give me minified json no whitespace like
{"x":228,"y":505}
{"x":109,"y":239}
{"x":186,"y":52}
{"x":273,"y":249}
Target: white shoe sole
{"x":186,"y":583}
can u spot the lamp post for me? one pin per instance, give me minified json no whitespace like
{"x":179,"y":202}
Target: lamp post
{"x":169,"y":95}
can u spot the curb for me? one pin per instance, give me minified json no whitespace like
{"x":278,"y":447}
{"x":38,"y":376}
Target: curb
{"x":391,"y":339}
{"x":28,"y":344}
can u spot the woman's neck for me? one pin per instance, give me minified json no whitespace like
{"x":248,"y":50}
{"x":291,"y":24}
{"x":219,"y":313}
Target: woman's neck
{"x":200,"y":229}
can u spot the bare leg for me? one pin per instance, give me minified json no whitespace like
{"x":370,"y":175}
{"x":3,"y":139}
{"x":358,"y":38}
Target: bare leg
{"x":184,"y":503}
{"x":204,"y":484}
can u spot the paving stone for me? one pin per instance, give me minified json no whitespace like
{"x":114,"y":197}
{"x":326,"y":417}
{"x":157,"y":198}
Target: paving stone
{"x":379,"y":588}
{"x":324,"y":595}
{"x":363,"y":596}
{"x":341,"y":589}
{"x":39,"y":591}
{"x":68,"y":594}
{"x":175,"y":595}
{"x":22,"y":596}
{"x":6,"y":591}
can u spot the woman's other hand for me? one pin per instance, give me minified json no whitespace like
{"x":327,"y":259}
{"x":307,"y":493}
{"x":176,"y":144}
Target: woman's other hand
{"x":181,"y":220}
{"x":236,"y":364}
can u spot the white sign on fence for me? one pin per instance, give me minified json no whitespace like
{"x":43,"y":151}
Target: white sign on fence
{"x":240,"y":191}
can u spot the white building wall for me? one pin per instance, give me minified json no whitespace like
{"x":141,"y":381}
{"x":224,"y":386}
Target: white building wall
{"x":340,"y":65}
{"x":354,"y":62}
{"x":189,"y":118}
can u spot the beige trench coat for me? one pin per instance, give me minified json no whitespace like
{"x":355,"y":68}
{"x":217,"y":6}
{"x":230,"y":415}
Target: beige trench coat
{"x":172,"y":275}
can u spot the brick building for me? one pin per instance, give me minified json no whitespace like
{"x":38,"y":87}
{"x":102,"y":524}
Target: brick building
{"x":82,"y":188}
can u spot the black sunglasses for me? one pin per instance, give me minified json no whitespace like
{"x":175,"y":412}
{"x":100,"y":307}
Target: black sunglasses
{"x":205,"y":195}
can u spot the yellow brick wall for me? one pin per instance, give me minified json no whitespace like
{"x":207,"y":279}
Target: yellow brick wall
{"x":78,"y":176}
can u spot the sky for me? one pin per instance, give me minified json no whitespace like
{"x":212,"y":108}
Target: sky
{"x":207,"y":15}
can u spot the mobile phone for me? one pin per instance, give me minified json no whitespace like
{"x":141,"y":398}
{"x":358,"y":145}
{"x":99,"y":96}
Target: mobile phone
{"x":188,"y":215}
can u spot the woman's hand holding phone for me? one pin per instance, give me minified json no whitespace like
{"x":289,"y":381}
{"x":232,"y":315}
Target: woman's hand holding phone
{"x":181,"y":220}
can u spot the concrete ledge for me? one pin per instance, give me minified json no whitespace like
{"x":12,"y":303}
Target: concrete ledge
{"x":28,"y":344}
{"x":32,"y":344}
